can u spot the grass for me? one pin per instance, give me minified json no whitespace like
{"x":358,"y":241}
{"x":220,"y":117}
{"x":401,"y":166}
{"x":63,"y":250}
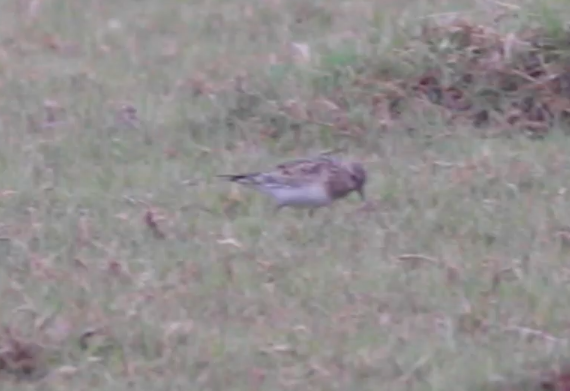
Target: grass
{"x":126,"y":264}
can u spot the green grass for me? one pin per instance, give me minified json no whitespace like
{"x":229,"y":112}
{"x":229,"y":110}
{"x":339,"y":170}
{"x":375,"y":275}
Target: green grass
{"x":455,"y":275}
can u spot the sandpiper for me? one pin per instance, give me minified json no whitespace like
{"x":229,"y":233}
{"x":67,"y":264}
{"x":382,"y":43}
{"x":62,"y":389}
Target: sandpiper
{"x":307,"y":183}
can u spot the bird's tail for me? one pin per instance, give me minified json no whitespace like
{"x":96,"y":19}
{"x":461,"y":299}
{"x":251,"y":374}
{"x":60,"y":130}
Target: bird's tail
{"x":244,"y":179}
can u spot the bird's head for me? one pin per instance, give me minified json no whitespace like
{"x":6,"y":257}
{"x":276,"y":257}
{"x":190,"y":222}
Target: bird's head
{"x":358,"y":176}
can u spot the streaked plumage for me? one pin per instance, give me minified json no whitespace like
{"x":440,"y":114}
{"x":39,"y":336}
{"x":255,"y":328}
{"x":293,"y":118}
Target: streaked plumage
{"x":307,"y":183}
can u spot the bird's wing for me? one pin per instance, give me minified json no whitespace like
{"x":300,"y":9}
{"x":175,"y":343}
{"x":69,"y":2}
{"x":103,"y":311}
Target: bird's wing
{"x":307,"y":166}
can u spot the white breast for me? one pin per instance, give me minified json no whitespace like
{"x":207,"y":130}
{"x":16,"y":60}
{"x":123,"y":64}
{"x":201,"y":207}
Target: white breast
{"x":308,"y":196}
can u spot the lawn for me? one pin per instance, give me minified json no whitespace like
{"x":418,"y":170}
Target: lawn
{"x":126,"y":264}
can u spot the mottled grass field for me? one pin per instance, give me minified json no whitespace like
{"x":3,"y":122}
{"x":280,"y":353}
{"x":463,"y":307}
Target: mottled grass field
{"x":129,"y":266}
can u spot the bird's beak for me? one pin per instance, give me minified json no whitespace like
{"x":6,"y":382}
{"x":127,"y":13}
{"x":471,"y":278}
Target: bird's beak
{"x":361,"y":193}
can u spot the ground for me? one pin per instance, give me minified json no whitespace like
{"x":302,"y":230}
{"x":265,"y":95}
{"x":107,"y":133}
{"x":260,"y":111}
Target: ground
{"x":127,"y":263}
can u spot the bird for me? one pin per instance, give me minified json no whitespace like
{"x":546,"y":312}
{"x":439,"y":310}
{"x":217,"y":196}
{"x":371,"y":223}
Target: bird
{"x":308,"y":183}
